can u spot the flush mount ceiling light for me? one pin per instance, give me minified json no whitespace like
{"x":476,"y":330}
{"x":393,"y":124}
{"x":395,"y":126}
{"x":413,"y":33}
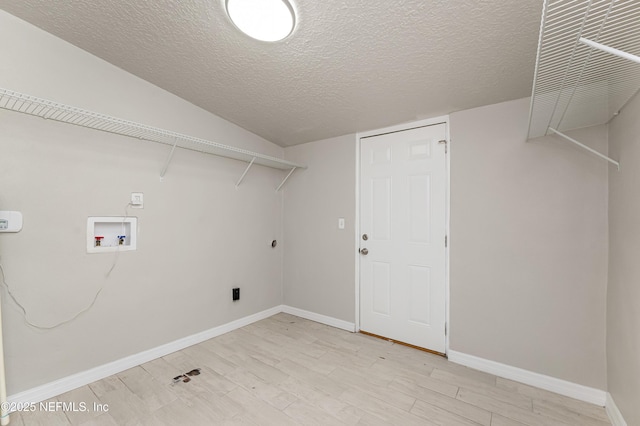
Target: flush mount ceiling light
{"x":266,"y":20}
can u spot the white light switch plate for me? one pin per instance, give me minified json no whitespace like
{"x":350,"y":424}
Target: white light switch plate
{"x":341,"y":223}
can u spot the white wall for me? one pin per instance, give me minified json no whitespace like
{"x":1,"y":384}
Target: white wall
{"x":198,"y":235}
{"x":623,"y":293}
{"x":319,"y":258}
{"x":528,"y":245}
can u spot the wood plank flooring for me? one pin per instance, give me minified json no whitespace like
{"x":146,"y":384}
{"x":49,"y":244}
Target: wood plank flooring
{"x":285,"y":370}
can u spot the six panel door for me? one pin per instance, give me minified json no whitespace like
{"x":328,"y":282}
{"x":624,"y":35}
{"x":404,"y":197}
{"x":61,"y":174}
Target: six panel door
{"x":403,"y":214}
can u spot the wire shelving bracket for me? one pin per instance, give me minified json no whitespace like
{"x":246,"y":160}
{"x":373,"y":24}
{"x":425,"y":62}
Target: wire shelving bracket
{"x":245,"y":172}
{"x":587,"y":66}
{"x":169,"y":157}
{"x":27,"y":104}
{"x":583,"y":146}
{"x":286,"y":178}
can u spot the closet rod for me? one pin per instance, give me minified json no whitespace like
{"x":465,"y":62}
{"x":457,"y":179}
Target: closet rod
{"x":570,"y":139}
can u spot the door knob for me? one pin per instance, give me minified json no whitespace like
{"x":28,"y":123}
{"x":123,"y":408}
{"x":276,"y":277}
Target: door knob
{"x":364,"y":251}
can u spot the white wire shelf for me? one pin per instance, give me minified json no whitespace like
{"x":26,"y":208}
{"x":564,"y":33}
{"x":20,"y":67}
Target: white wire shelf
{"x":50,"y":110}
{"x":576,"y":84}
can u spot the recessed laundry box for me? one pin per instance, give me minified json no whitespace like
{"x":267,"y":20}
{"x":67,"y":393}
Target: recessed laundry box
{"x":111,"y":234}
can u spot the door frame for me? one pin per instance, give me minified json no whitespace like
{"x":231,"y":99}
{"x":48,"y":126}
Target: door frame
{"x":398,"y":128}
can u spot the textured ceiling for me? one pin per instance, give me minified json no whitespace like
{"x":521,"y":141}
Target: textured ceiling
{"x":349,"y":66}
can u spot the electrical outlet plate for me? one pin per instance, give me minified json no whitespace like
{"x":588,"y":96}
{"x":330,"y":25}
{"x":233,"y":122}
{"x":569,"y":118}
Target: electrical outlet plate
{"x":137,"y":200}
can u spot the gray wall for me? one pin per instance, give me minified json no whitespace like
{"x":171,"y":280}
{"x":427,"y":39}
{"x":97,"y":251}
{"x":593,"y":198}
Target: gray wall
{"x":528,"y":241}
{"x":198,"y":235}
{"x":528,"y":245}
{"x":319,"y":258}
{"x":623,"y":295}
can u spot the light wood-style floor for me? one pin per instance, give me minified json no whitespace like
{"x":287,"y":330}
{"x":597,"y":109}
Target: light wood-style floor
{"x":285,"y":370}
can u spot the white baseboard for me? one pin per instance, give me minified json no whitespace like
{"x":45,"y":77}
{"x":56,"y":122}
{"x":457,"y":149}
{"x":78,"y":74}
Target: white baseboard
{"x":66,"y":384}
{"x":323,"y":319}
{"x":563,"y":387}
{"x":613,"y":412}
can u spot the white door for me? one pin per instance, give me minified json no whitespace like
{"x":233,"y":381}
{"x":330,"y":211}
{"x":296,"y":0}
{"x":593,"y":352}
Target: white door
{"x":402,"y":236}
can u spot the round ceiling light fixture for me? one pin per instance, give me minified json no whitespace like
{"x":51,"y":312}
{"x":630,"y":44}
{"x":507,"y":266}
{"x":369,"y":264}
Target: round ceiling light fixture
{"x":266,"y":20}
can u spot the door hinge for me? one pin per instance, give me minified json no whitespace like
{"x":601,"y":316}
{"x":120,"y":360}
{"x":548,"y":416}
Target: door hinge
{"x":445,"y":145}
{"x":446,"y":241}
